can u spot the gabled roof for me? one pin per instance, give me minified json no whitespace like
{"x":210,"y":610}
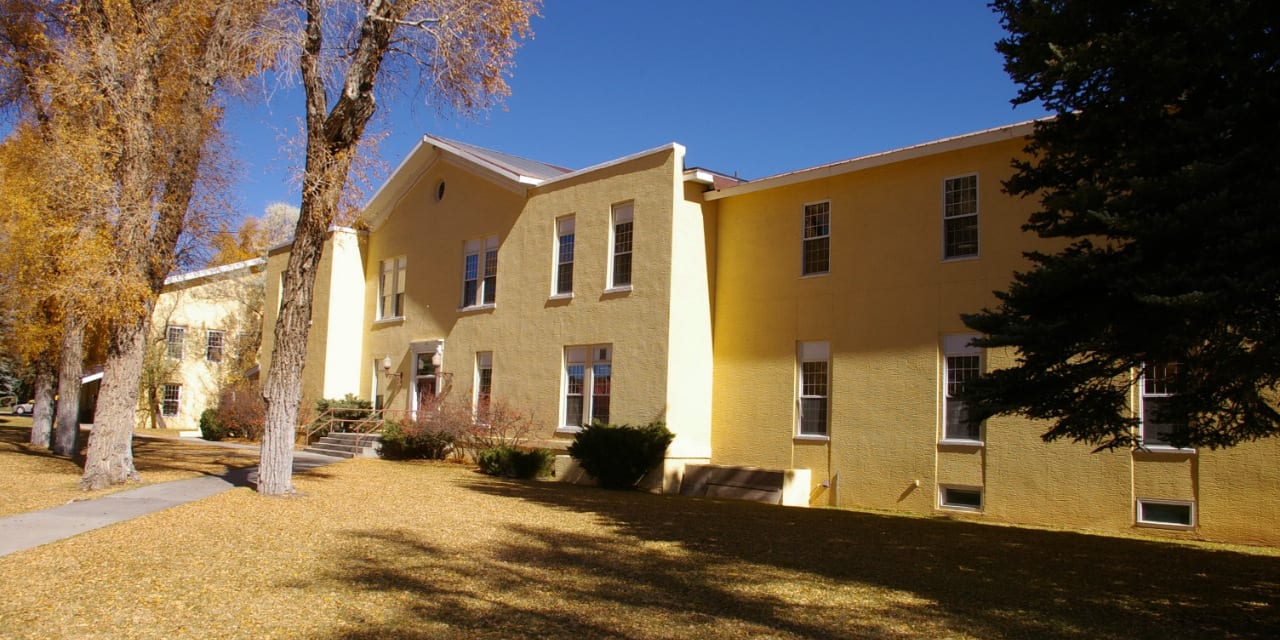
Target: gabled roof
{"x":511,"y":172}
{"x":954,"y":143}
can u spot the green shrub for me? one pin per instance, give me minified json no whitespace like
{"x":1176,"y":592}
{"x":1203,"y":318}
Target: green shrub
{"x":211,"y":428}
{"x":510,"y":462}
{"x":414,"y":441}
{"x":618,"y":456}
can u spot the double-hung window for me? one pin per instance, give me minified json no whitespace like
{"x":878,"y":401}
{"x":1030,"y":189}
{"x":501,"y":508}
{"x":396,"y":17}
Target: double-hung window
{"x":588,"y":385}
{"x":391,"y":288}
{"x":961,"y":364}
{"x":174,"y":339}
{"x":214,"y":340}
{"x":816,"y":246}
{"x":622,"y":228}
{"x":1157,"y":388}
{"x":960,"y":217}
{"x":170,"y":395}
{"x":480,"y":272}
{"x":484,"y":382}
{"x":564,"y":257}
{"x":813,"y":418}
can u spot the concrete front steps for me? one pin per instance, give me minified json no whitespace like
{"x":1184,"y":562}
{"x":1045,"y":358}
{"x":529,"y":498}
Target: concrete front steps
{"x":348,"y":445}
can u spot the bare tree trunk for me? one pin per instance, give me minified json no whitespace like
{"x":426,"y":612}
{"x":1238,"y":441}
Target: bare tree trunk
{"x":331,"y":140}
{"x":42,"y":413}
{"x":282,"y":390}
{"x":110,"y":457}
{"x":70,"y":368}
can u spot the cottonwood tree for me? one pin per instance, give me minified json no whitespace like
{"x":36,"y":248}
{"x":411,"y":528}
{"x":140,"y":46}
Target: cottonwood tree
{"x":160,"y":64}
{"x":461,"y":49}
{"x":52,"y":166}
{"x":50,"y":261}
{"x":244,"y":243}
{"x":254,"y":236}
{"x":278,"y":222}
{"x":143,"y":74}
{"x":1160,"y":175}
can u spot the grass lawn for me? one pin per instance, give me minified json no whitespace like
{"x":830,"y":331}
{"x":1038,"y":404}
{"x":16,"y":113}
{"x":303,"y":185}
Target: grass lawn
{"x":31,"y":479}
{"x":375,"y":549}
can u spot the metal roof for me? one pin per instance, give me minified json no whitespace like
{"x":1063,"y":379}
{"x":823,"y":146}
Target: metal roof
{"x":513,"y":164}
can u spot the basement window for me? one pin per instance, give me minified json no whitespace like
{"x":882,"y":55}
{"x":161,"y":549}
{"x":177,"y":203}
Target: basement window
{"x":960,"y":498}
{"x":1177,"y":514}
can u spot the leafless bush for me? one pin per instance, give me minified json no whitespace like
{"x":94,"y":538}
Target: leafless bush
{"x":241,"y":411}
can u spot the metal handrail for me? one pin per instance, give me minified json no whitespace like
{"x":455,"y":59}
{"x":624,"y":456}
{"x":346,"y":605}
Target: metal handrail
{"x":329,"y":422}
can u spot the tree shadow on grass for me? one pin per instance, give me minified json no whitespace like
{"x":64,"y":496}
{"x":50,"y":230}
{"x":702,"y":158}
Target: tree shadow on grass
{"x":982,"y":580}
{"x":669,"y":566}
{"x":17,"y":439}
{"x":542,"y":584}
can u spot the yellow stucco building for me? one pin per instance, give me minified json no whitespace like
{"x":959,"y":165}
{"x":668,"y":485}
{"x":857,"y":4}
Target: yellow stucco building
{"x":204,"y":334}
{"x":806,"y":323}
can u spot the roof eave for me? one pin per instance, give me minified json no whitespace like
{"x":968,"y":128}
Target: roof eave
{"x":933,"y":147}
{"x":677,"y":148}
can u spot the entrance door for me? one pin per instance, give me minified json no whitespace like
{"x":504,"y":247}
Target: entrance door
{"x":424,"y":381}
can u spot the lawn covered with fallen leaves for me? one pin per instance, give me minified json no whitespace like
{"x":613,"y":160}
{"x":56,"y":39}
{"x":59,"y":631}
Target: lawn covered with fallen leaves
{"x":31,"y":478}
{"x":376,"y":549}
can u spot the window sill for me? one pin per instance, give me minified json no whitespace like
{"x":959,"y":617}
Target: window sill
{"x":966,"y":258}
{"x":950,"y":442}
{"x":479,"y":307}
{"x":959,"y":507}
{"x":810,"y":437}
{"x":818,"y":274}
{"x":1164,"y":525}
{"x":394,"y":320}
{"x":560,"y":296}
{"x":626,"y":288}
{"x":569,"y":430}
{"x":1165,"y":449}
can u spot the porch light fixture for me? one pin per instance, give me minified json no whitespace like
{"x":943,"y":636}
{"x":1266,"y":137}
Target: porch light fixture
{"x":386,"y":368}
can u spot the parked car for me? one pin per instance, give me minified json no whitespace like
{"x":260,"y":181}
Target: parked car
{"x":23,"y":408}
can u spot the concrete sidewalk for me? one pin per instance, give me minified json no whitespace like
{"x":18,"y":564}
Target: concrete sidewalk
{"x":27,"y":530}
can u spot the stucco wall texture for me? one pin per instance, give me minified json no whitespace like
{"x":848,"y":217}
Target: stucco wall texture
{"x":706,"y":336}
{"x":885,"y":307}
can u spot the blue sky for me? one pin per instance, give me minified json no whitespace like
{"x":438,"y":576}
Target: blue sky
{"x":748,"y":86}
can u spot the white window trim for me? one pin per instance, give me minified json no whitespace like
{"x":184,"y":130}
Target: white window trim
{"x":1155,"y":447}
{"x":1137,"y":514}
{"x":222,"y":345}
{"x":479,"y":248}
{"x":182,"y":342}
{"x":943,"y":504}
{"x":804,"y":210}
{"x":958,"y":346}
{"x":376,"y":386}
{"x":588,"y":381}
{"x":399,"y":276}
{"x":977,"y":214}
{"x":566,"y":225}
{"x":483,"y":360}
{"x":629,"y":210}
{"x":177,"y":400}
{"x":811,"y":351}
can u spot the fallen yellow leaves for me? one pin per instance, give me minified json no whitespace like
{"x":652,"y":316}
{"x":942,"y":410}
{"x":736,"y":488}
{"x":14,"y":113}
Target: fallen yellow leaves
{"x":374,"y":549}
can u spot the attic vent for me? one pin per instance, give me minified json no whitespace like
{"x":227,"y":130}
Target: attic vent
{"x":440,"y":191}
